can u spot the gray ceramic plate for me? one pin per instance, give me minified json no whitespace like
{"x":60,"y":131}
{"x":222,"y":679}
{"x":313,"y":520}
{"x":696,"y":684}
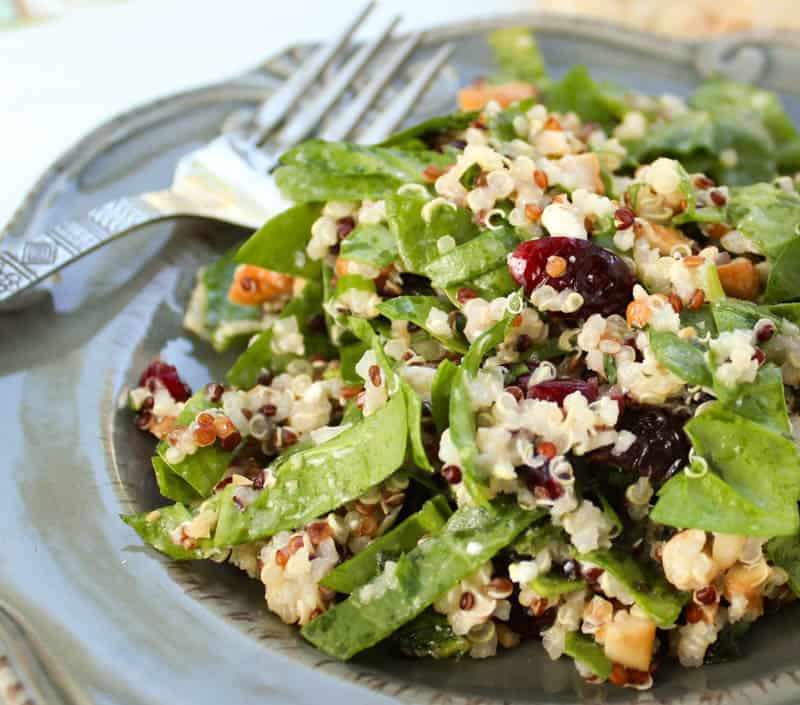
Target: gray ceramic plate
{"x":88,"y":614}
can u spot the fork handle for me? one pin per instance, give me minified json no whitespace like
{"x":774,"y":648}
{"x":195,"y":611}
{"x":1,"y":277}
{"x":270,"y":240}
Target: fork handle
{"x":24,"y":267}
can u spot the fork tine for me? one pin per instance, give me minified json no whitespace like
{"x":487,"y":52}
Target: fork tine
{"x":346,"y":122}
{"x":300,"y":125}
{"x":273,"y":110}
{"x":403,"y":104}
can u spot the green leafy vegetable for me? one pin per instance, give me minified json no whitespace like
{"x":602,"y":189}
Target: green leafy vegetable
{"x":766,"y":215}
{"x":588,"y":653}
{"x":205,"y":467}
{"x":649,"y":589}
{"x":430,"y":635}
{"x":501,"y":125}
{"x":751,"y":487}
{"x":440,"y":393}
{"x":594,"y":102}
{"x":370,"y":244}
{"x":478,"y":256}
{"x":418,"y":578}
{"x":417,"y":239}
{"x":355,"y":460}
{"x":722,"y":95}
{"x":784,"y":278}
{"x":552,"y":585}
{"x":171,"y":485}
{"x":784,"y":551}
{"x":681,"y":357}
{"x":517,"y":56}
{"x":761,"y":401}
{"x":155,"y":528}
{"x":364,"y":566}
{"x":421,"y":135}
{"x":280,"y":244}
{"x":462,"y":415}
{"x":417,"y":309}
{"x":329,"y":171}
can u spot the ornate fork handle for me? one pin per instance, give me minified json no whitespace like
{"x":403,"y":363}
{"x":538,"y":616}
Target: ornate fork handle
{"x":37,"y":259}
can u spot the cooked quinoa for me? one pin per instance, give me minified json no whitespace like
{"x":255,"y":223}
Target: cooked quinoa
{"x":526,"y":372}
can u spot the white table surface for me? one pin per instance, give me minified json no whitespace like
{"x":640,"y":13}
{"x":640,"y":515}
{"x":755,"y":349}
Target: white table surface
{"x":61,"y":78}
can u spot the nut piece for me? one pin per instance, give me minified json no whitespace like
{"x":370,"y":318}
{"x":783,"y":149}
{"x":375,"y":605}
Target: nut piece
{"x":727,"y":549}
{"x":664,"y":238}
{"x":629,"y":641}
{"x":740,"y":279}
{"x":746,"y":579}
{"x":686,"y":564}
{"x":253,"y":285}
{"x":480,"y":93}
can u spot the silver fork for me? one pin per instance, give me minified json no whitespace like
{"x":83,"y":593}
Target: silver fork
{"x":228,"y":179}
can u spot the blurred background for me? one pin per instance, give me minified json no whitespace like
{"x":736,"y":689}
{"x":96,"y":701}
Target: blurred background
{"x":68,"y":65}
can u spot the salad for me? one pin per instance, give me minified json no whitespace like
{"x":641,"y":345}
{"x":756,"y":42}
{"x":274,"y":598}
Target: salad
{"x":527,"y":371}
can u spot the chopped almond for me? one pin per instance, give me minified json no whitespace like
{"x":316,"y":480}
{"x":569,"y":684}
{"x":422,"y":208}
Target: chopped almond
{"x":585,"y":168}
{"x":478,"y":95}
{"x":629,"y":641}
{"x":254,"y":285}
{"x":664,"y":238}
{"x":638,"y":313}
{"x":740,"y":279}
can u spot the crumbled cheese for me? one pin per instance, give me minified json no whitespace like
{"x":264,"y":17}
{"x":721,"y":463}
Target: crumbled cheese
{"x":287,"y":338}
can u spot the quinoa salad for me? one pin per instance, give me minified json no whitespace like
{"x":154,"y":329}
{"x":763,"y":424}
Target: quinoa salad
{"x":525,"y":372}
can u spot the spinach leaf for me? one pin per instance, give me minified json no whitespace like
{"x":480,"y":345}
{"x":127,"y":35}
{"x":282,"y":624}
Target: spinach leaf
{"x":482,"y":254}
{"x":709,"y":503}
{"x":280,"y":244}
{"x":588,"y":653}
{"x":417,"y":309}
{"x":537,"y":538}
{"x":430,"y":635}
{"x":784,"y":278}
{"x":723,"y":95}
{"x":494,"y":283}
{"x":156,"y":530}
{"x":420,"y":136}
{"x":766,"y":215}
{"x":761,"y":401}
{"x":681,"y":357}
{"x":171,"y":485}
{"x":416,"y":238}
{"x":319,"y":479}
{"x":752,"y":484}
{"x":370,"y":244}
{"x":365,"y":565}
{"x":440,"y":393}
{"x":205,"y":467}
{"x":418,"y":578}
{"x":698,"y":138}
{"x":339,"y":171}
{"x":349,"y":355}
{"x":552,"y":585}
{"x":463,"y":424}
{"x":649,"y":589}
{"x":517,"y":56}
{"x":594,"y":102}
{"x":784,"y":551}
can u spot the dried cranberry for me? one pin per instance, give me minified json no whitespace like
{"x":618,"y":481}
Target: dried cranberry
{"x":452,"y":473}
{"x":344,"y":226}
{"x":603,"y":280}
{"x":556,"y":390}
{"x":524,"y":622}
{"x":168,"y":376}
{"x":661,"y":447}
